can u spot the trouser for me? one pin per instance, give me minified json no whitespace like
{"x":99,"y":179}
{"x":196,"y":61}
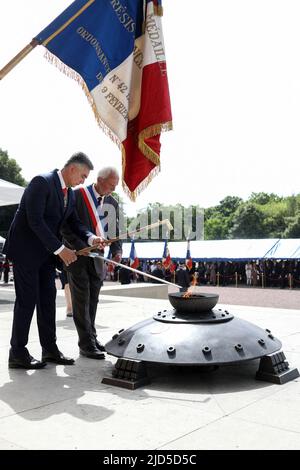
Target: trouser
{"x":35,"y":287}
{"x":85,"y":285}
{"x":6,"y":276}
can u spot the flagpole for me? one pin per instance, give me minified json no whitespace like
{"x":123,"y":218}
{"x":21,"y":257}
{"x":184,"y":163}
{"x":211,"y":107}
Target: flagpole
{"x":20,"y":56}
{"x":96,"y":255}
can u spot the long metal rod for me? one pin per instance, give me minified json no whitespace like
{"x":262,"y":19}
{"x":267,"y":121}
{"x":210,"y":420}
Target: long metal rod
{"x":96,"y":255}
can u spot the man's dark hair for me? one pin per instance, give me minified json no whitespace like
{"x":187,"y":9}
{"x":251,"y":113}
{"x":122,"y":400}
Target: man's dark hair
{"x":81,"y":159}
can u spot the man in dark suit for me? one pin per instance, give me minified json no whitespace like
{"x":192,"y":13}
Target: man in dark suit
{"x":33,"y":241}
{"x":99,"y":211}
{"x":157,"y":272}
{"x":182,"y":277}
{"x":125,"y":276}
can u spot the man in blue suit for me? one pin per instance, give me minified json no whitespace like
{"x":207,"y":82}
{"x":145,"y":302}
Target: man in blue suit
{"x":34,"y":245}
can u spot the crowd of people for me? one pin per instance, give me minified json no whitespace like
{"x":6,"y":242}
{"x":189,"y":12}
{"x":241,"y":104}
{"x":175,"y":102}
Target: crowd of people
{"x":256,"y":273}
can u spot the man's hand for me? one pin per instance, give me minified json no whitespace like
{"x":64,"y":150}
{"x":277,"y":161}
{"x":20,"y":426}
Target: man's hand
{"x":100,"y":242}
{"x":68,"y":256}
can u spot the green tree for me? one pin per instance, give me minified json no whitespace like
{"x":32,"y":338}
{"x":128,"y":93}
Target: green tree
{"x":186,"y":221}
{"x":274,"y":214}
{"x":263,"y":198}
{"x":10,"y":170}
{"x":293,"y":227}
{"x":218,"y":219}
{"x":263,"y":215}
{"x":215,"y":228}
{"x":229,"y":205}
{"x":248,"y":222}
{"x":291,"y":205}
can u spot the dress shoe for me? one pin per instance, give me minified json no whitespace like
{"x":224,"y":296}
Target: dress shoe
{"x":100,"y":346}
{"x":70,"y":314}
{"x":92,"y":353}
{"x":57,"y":357}
{"x":25,"y":363}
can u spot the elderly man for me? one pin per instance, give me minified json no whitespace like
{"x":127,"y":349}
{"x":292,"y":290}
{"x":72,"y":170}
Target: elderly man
{"x":33,"y":241}
{"x":98,"y":210}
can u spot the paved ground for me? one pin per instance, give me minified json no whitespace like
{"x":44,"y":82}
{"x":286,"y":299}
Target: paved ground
{"x":69,"y":408}
{"x":267,"y":297}
{"x":270,"y":297}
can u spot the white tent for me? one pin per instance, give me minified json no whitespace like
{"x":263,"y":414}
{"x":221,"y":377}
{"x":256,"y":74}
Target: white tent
{"x":225,"y":250}
{"x":10,"y":193}
{"x":220,"y":250}
{"x":145,"y":250}
{"x":285,"y":248}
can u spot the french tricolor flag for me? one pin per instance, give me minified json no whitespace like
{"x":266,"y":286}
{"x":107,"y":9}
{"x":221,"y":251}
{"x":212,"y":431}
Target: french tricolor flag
{"x":115,"y":50}
{"x":134,"y":261}
{"x":188,"y":258}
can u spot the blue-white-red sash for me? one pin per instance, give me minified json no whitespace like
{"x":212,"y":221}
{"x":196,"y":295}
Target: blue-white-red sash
{"x":91,"y":204}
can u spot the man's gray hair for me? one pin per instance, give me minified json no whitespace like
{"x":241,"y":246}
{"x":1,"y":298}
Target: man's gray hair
{"x":80,"y":158}
{"x":107,"y":171}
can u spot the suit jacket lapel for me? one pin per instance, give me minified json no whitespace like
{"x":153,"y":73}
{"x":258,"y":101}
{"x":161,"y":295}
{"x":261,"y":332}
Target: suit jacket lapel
{"x":59,"y":190}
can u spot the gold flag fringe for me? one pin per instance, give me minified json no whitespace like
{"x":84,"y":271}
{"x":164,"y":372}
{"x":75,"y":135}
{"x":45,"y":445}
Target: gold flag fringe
{"x":143,"y":185}
{"x":150,"y":132}
{"x":144,"y":134}
{"x":158,"y":10}
{"x":148,"y":153}
{"x":52,"y":59}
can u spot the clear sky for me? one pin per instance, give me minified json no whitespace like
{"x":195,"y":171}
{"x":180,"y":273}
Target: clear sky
{"x":234,"y":77}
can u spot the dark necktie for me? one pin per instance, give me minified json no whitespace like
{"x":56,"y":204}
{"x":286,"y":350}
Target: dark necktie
{"x":100,"y":211}
{"x":65,"y":193}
